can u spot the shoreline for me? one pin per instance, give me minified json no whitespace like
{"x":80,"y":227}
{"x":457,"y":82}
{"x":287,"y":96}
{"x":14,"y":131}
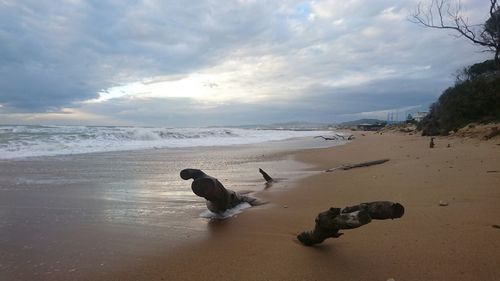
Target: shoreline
{"x":456,"y":242}
{"x":73,"y":217}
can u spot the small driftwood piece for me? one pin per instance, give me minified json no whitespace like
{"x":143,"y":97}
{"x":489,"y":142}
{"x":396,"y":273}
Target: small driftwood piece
{"x":269,"y":180}
{"x":266,"y":176}
{"x":337,"y":137}
{"x":330,"y":222}
{"x":358,"y":165}
{"x":326,"y":138}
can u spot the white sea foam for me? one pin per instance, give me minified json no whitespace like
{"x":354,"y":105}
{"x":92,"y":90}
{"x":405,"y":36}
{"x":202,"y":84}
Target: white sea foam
{"x":227,"y":214}
{"x":28,"y":141}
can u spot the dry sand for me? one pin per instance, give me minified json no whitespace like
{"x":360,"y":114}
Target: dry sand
{"x":430,"y":242}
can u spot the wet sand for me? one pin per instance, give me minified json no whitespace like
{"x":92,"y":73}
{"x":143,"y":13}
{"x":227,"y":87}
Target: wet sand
{"x":431,"y":242}
{"x":80,"y":217}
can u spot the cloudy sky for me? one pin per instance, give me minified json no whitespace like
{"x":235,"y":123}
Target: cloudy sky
{"x":218,"y":62}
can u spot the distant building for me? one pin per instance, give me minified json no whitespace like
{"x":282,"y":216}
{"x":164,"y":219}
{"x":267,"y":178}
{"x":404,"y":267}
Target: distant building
{"x":419,"y":116}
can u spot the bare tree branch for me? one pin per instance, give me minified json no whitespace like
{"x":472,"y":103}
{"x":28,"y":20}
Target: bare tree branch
{"x":440,"y":14}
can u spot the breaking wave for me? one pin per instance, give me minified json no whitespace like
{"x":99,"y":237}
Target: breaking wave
{"x":28,"y":141}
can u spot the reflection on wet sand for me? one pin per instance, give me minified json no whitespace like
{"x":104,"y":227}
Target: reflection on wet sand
{"x":87,"y":214}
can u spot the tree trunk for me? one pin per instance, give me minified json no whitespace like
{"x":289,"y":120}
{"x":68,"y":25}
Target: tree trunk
{"x":497,"y":58}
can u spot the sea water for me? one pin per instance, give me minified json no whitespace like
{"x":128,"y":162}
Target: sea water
{"x":29,"y":141}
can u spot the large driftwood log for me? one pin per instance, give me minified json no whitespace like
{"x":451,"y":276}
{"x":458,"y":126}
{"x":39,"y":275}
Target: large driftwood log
{"x":331,"y":221}
{"x":358,"y":165}
{"x":219,"y":198}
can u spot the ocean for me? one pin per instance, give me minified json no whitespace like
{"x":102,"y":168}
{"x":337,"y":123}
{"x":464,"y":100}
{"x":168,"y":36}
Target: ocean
{"x":29,"y":141}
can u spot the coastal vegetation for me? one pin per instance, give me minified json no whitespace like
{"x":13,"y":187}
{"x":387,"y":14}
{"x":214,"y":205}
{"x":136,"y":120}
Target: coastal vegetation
{"x":475,"y":98}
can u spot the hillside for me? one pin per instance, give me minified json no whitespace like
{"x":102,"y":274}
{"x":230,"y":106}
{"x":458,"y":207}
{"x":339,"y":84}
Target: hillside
{"x":358,"y":122}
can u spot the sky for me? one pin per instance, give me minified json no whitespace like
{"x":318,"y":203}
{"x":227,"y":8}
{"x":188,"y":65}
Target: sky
{"x":221,"y":62}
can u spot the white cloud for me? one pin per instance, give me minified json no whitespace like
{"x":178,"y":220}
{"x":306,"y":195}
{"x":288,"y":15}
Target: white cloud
{"x":392,"y":14}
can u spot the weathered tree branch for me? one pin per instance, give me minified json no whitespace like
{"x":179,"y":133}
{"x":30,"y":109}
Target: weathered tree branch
{"x":337,"y":137}
{"x":486,"y":35}
{"x":358,"y":165}
{"x":266,"y":176}
{"x":330,"y":222}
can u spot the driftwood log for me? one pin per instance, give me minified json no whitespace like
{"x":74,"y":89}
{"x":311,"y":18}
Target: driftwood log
{"x":331,"y":221}
{"x":358,"y":165}
{"x":219,"y":198}
{"x":337,"y":137}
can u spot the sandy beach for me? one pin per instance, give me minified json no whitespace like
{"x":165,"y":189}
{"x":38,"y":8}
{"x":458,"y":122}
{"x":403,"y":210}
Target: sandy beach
{"x":119,"y":224}
{"x":430,"y":242}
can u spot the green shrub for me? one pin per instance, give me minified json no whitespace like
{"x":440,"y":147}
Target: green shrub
{"x":476,"y":99}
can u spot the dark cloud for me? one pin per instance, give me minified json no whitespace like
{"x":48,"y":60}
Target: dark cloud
{"x":332,"y":57}
{"x":59,"y":52}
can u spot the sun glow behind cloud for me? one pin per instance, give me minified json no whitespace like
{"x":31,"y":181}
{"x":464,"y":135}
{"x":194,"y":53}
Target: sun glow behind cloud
{"x":196,"y":86}
{"x":248,"y":80}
